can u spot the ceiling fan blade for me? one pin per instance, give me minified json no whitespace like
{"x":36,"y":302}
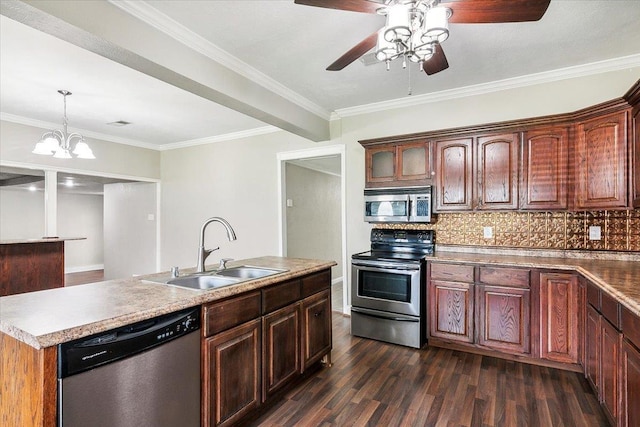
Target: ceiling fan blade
{"x":489,"y":11}
{"x":437,"y":62}
{"x":354,"y":53}
{"x":351,"y":5}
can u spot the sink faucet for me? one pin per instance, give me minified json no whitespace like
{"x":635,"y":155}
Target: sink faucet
{"x":204,"y":253}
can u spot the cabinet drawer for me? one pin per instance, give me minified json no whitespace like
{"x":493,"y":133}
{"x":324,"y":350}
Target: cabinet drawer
{"x":610,"y":309}
{"x":631,"y":326}
{"x":501,"y":276}
{"x":593,"y":295}
{"x":452,"y":272}
{"x":315,"y":283}
{"x":280,"y":295}
{"x":222,"y":315}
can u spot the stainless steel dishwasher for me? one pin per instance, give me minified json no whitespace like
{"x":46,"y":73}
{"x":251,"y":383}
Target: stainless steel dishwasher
{"x":144,"y":374}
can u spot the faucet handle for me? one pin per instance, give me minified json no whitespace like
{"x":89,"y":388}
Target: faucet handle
{"x":223,"y":263}
{"x":175,"y":272}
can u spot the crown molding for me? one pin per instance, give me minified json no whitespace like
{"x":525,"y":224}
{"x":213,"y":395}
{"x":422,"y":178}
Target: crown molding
{"x":496,"y":86}
{"x":87,"y":133}
{"x":220,"y":138}
{"x":151,"y":16}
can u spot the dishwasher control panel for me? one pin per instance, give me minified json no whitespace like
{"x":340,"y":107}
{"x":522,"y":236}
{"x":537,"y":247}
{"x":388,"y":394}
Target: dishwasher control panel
{"x":105,"y":347}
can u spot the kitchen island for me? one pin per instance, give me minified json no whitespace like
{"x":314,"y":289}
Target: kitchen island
{"x":32,"y":324}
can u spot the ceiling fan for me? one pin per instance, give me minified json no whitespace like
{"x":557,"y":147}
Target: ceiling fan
{"x":415,"y":29}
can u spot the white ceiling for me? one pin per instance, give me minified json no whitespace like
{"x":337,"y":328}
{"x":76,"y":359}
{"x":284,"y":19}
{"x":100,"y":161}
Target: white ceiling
{"x":288,"y":46}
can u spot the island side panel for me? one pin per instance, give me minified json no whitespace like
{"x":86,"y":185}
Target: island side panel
{"x":28,"y":389}
{"x":27,"y":267}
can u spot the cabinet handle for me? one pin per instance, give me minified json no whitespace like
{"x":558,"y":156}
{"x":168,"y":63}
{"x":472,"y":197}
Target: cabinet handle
{"x":316,"y":314}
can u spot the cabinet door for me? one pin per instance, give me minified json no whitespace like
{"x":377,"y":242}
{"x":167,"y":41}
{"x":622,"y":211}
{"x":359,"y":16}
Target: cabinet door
{"x":559,"y":328}
{"x":451,"y":310}
{"x":611,"y":341}
{"x":231,"y":374}
{"x":380,"y":163}
{"x":316,"y":328}
{"x":503,"y":318}
{"x":281,"y":353}
{"x":592,"y":348}
{"x":601,"y":162}
{"x":415,"y":162}
{"x":497,"y":176}
{"x":630,"y":378}
{"x":454,"y":175}
{"x":545,"y":169}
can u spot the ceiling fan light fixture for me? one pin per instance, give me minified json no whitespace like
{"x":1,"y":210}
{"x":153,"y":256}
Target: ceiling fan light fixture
{"x":398,"y":28}
{"x":436,"y":24}
{"x":385,"y":50}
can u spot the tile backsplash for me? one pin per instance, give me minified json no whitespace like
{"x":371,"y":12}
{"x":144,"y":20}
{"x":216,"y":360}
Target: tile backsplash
{"x":619,"y":230}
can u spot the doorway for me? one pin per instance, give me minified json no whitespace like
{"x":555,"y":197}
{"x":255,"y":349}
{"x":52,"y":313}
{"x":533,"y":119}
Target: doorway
{"x":312,"y":211}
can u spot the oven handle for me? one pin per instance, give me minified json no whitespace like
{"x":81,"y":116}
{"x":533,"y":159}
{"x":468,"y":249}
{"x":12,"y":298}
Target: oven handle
{"x":377,"y":314}
{"x":380,"y":265}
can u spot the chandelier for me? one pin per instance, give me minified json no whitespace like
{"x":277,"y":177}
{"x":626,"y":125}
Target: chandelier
{"x":58,"y":142}
{"x":412,"y":30}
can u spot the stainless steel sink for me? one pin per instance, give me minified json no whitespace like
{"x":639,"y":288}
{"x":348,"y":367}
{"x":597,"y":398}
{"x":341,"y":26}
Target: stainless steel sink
{"x":202,"y":282}
{"x":245,"y":272}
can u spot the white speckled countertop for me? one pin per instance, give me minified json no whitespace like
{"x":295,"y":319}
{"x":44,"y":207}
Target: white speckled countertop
{"x":46,"y":318}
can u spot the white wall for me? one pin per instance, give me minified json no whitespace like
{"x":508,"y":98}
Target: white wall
{"x":314,"y":221}
{"x":81,"y":215}
{"x":129,"y":235}
{"x":21,"y":214}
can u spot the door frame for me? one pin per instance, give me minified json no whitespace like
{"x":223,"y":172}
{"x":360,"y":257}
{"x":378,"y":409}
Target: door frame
{"x":329,"y":150}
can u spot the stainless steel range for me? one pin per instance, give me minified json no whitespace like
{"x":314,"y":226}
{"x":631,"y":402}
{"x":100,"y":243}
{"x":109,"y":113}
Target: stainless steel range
{"x":388,"y":287}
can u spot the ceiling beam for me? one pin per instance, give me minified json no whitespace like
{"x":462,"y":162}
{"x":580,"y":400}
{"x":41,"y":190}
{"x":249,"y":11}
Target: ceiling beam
{"x":105,"y":29}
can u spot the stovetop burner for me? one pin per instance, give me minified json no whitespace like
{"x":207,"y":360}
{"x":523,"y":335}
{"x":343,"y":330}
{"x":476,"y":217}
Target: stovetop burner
{"x":398,"y":245}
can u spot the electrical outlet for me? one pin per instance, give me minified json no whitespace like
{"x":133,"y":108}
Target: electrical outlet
{"x":151,"y":217}
{"x":488,"y":232}
{"x":289,"y":203}
{"x":595,"y":232}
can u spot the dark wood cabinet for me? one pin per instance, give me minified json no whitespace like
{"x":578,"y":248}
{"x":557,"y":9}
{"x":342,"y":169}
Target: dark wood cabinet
{"x":29,"y":267}
{"x":559,"y":315}
{"x":611,"y":341}
{"x":504,"y":318}
{"x":635,"y":158}
{"x":545,"y":169}
{"x":601,"y":162}
{"x":281,"y":356}
{"x":497,"y":171}
{"x":630,"y":386}
{"x":451,"y":310}
{"x":399,"y":164}
{"x":316,"y":328}
{"x":232,"y":374}
{"x":592,"y":347}
{"x":257,"y":343}
{"x":454,"y":175}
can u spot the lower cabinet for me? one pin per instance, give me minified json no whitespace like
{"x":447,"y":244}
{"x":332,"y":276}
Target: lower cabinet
{"x":592,"y":348}
{"x":630,"y":385}
{"x":611,"y":341}
{"x":504,"y":318}
{"x":559,"y":317}
{"x":451,"y":310}
{"x":253,"y":347}
{"x":232,"y":374}
{"x":281,"y":330}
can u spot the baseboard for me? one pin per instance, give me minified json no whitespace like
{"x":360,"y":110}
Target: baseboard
{"x":336,"y":281}
{"x":82,"y":268}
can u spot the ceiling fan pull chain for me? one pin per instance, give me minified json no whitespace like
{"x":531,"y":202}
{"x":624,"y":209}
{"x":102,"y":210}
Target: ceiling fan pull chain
{"x":409,"y":81}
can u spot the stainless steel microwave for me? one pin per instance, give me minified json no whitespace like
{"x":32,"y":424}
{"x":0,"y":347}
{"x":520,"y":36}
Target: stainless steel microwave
{"x":411,"y":204}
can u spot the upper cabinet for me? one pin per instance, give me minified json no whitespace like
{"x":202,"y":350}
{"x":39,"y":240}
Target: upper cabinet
{"x":601,"y":162}
{"x":492,"y":184}
{"x":633,"y":98}
{"x":453,"y":189}
{"x":497,"y":171}
{"x":399,"y":164}
{"x":545,"y":172}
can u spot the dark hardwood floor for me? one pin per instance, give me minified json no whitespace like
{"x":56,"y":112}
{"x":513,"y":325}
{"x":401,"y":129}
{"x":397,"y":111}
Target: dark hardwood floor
{"x":377,"y":384}
{"x":80,"y":278}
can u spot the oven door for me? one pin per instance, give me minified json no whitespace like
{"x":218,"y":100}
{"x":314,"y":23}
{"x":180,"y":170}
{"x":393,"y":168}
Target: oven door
{"x":387,"y":286}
